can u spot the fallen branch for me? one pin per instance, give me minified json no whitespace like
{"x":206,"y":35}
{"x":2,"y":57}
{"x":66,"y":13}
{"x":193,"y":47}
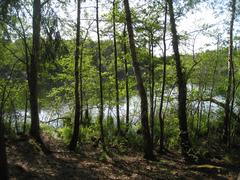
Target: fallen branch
{"x":52,"y":120}
{"x":215,"y":101}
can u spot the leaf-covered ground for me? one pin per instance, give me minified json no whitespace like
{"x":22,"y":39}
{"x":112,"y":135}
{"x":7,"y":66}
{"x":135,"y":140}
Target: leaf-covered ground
{"x":26,"y":161}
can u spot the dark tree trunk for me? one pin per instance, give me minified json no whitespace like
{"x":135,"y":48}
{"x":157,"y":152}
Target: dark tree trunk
{"x":232,"y":104}
{"x":126,"y":77}
{"x":233,"y":79}
{"x":81,"y":84}
{"x":161,"y":114}
{"x":230,"y":77}
{"x":100,"y":79}
{"x":74,"y":140}
{"x":87,"y":115}
{"x":116,"y":68}
{"x":33,"y":73}
{"x":152,"y":83}
{"x":26,"y":51}
{"x":181,"y":80}
{"x":25,"y":112}
{"x":3,"y":155}
{"x":148,"y":144}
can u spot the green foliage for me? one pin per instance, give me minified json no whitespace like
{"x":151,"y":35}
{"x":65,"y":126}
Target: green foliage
{"x":90,"y":133}
{"x":65,"y":133}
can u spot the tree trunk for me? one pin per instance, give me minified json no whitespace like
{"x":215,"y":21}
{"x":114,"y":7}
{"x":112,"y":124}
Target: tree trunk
{"x":152,"y":83}
{"x":74,"y":140}
{"x":100,"y":80}
{"x":181,"y":80}
{"x":230,"y":77}
{"x":3,"y":155}
{"x":81,"y":84}
{"x":33,"y":79}
{"x":161,"y":114}
{"x":116,"y":68}
{"x":126,"y":77}
{"x":25,"y":112}
{"x":15,"y":117}
{"x":148,"y":144}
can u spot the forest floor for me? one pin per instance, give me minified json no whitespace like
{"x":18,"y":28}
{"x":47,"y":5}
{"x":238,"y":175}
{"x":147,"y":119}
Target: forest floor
{"x":27,"y":161}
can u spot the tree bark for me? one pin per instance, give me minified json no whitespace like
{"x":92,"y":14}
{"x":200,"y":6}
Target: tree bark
{"x":152,"y":83}
{"x":148,"y":144}
{"x":25,"y":112}
{"x":181,"y":81}
{"x":116,"y":68}
{"x":126,"y":77}
{"x":3,"y":155}
{"x":100,"y":79}
{"x":230,"y":77}
{"x":33,"y":79}
{"x":161,"y":114}
{"x":74,"y":139}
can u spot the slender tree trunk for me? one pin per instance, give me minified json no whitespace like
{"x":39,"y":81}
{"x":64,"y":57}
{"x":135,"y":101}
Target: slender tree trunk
{"x":232,"y":104}
{"x":3,"y":155}
{"x":161,"y":115}
{"x":26,"y":51}
{"x":126,"y":77}
{"x":81,"y":84}
{"x":197,"y":112}
{"x":87,"y":114}
{"x":181,"y":80}
{"x":15,"y":117}
{"x":148,"y":144}
{"x":25,"y":112}
{"x":152,"y":83}
{"x":230,"y":77}
{"x":116,"y":67}
{"x":201,"y":111}
{"x":100,"y":80}
{"x":33,"y":73}
{"x":74,"y":139}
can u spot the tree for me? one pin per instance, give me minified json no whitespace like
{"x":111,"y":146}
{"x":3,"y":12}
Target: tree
{"x":32,"y":78}
{"x":151,"y":83}
{"x":5,"y":89}
{"x":182,"y":89}
{"x":161,"y":114}
{"x":230,"y":87}
{"x":124,"y":48}
{"x":74,"y":139}
{"x":100,"y":78}
{"x":3,"y":155}
{"x":116,"y":67}
{"x":148,"y":144}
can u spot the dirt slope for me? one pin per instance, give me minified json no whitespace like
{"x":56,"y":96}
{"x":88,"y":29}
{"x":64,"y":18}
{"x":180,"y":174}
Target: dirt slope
{"x":26,"y":161}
